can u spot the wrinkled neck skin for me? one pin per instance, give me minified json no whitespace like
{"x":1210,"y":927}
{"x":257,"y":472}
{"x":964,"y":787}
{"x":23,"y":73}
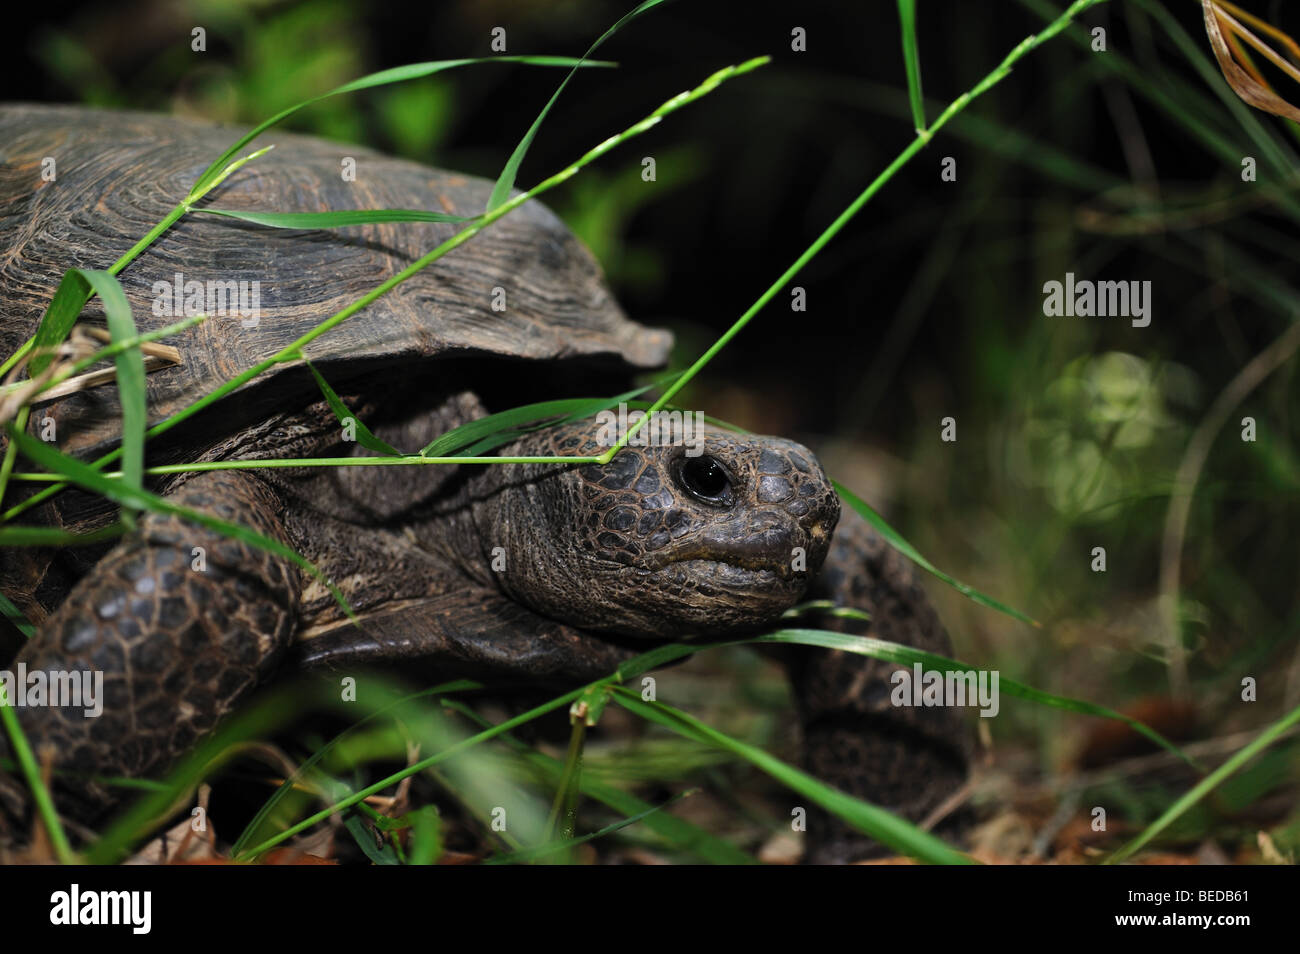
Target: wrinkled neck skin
{"x":628,"y":549}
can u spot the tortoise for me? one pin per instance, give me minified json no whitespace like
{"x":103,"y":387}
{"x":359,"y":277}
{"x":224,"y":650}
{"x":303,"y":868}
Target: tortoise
{"x":540,"y":574}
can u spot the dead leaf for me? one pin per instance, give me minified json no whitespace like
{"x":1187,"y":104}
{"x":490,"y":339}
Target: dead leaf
{"x":1243,"y":79}
{"x":183,"y":843}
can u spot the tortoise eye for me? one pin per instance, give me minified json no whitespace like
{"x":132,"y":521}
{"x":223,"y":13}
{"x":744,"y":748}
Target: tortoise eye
{"x":705,"y":479}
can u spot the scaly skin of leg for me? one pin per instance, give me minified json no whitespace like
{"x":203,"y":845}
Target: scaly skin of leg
{"x":178,"y":646}
{"x":906,"y":760}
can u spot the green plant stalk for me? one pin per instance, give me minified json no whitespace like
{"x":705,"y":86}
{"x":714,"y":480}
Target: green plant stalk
{"x":334,"y":220}
{"x":291,"y":351}
{"x":1207,"y":784}
{"x":916,"y":145}
{"x":40,"y":794}
{"x":506,"y":181}
{"x":17,"y":536}
{"x":197,"y":192}
{"x":11,"y":451}
{"x":912,"y":61}
{"x":17,"y":356}
{"x":388,"y":455}
{"x":274,"y":463}
{"x":566,"y":794}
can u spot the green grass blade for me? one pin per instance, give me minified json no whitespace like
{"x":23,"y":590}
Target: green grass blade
{"x":225,"y":173}
{"x":1207,"y":785}
{"x":912,"y":61}
{"x":69,"y":298}
{"x":84,"y":476}
{"x":662,"y":656}
{"x":531,"y":854}
{"x":335,"y":220}
{"x":682,"y":834}
{"x":426,"y":836}
{"x":16,"y":617}
{"x":670,"y":827}
{"x":479,"y":435}
{"x":32,"y":773}
{"x":398,"y":74}
{"x":908,"y":656}
{"x":564,"y":811}
{"x":506,"y":181}
{"x":364,"y":437}
{"x":896,"y":540}
{"x":19,"y":536}
{"x":130,"y":373}
{"x":888,"y":829}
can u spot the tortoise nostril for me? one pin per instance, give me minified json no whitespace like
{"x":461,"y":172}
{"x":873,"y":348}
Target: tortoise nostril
{"x":765,"y":520}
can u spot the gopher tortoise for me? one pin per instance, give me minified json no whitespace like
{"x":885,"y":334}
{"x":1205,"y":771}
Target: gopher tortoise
{"x":541,"y":574}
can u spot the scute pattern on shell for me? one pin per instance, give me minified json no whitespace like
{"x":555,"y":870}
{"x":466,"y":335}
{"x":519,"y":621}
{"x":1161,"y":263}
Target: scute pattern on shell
{"x":119,"y":174}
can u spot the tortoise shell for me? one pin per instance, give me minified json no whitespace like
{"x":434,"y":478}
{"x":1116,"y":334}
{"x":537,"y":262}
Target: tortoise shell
{"x":524,"y":288}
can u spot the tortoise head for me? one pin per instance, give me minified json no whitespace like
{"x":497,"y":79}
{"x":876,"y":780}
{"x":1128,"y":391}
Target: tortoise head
{"x":714,"y":535}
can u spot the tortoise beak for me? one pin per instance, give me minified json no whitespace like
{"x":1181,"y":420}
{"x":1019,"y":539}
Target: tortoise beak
{"x":761,"y":541}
